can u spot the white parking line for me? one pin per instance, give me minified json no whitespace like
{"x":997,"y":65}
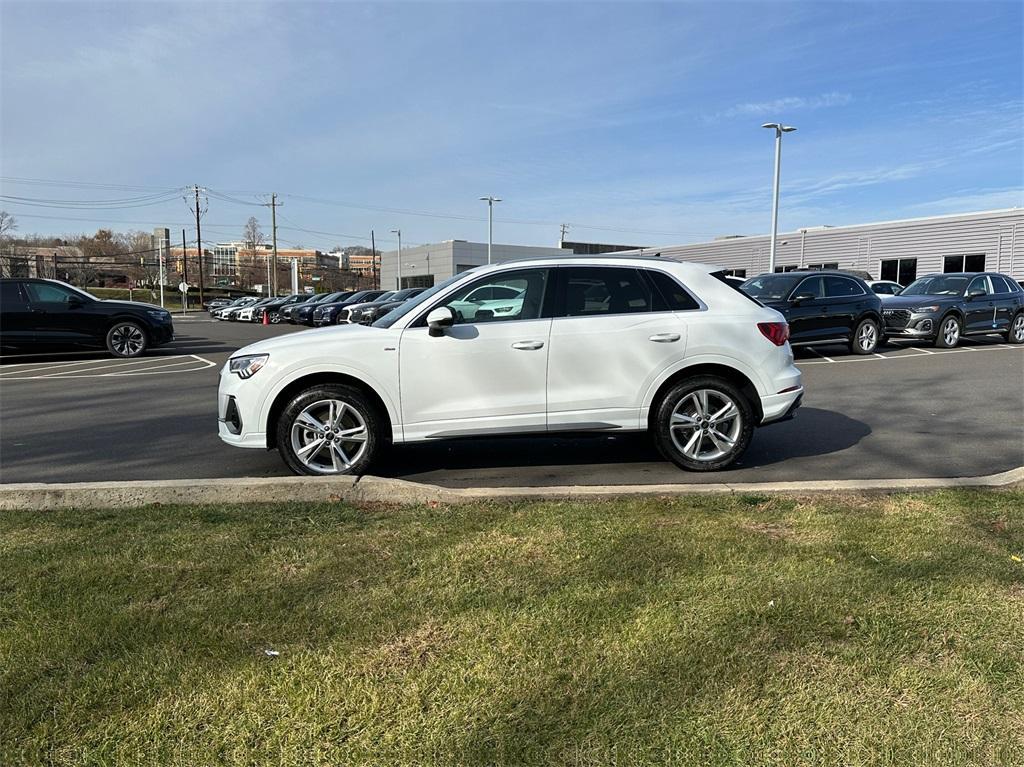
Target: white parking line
{"x":123,"y":368}
{"x":827,"y":360}
{"x":5,"y":371}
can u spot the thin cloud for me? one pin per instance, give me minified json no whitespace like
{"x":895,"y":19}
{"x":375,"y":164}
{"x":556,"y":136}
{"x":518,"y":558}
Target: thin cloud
{"x":787,"y":104}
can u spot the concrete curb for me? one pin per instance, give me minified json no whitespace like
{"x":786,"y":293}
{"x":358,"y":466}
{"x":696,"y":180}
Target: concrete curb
{"x":126,"y":495}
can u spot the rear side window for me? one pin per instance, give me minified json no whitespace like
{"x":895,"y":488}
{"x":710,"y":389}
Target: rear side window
{"x":999,"y":285}
{"x":596,"y":290}
{"x":841,"y":286}
{"x":669,"y":295}
{"x":9,"y":293}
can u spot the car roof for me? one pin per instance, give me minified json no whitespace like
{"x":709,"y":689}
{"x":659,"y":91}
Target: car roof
{"x":598,"y":260}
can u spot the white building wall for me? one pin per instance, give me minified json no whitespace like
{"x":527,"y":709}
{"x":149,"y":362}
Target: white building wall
{"x":997,"y":234}
{"x":444,"y":259}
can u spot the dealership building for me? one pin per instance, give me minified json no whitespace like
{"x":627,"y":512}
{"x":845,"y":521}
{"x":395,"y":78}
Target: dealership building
{"x":889,"y":250}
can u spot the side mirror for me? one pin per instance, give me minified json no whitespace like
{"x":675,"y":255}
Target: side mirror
{"x":972,"y":294}
{"x":801,"y":297}
{"x":440,"y":318}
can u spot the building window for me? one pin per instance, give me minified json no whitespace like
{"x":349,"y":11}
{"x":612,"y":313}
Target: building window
{"x":901,"y":270}
{"x":830,"y":265}
{"x":735,"y":272}
{"x":969,"y":262}
{"x":418,"y":281}
{"x":790,"y":268}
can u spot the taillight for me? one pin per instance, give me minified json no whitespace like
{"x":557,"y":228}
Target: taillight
{"x":776,"y":332}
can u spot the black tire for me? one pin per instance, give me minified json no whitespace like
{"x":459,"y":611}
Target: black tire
{"x":685,"y":397}
{"x":335,"y":456}
{"x":945,"y":338}
{"x":127,"y":339}
{"x":1015,"y":333}
{"x":866,"y":337}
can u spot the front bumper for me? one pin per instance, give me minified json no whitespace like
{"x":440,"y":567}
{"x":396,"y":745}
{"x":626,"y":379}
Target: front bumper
{"x":161,"y":334}
{"x":238,"y":421}
{"x":909,"y":324}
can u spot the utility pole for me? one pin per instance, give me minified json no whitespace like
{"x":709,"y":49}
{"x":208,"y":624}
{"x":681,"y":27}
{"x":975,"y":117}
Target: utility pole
{"x":561,"y":235}
{"x":184,"y":271}
{"x":399,"y":233}
{"x":273,"y":229}
{"x":199,"y":246}
{"x":490,"y":222}
{"x":373,"y":259}
{"x":160,"y":251}
{"x":779,"y":129}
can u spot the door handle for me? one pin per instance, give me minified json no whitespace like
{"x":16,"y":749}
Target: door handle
{"x":665,"y":338}
{"x":527,"y":345}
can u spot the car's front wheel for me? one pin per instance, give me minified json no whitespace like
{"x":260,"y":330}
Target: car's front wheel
{"x":949,"y":333}
{"x":126,"y":339}
{"x":330,"y":429}
{"x":1015,"y":335}
{"x":865,"y":337}
{"x":703,"y":424}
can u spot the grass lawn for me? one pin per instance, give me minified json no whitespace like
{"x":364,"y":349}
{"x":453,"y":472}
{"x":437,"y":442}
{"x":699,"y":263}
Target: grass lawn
{"x":700,"y":630}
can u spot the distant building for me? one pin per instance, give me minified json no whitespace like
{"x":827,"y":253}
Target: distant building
{"x":425,"y":265}
{"x":596,"y":248}
{"x":889,"y":250}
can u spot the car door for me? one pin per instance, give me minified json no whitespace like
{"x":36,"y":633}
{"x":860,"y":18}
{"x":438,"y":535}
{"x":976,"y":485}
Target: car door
{"x":809,"y":318}
{"x":60,"y":315}
{"x":846,"y":301}
{"x":1007,"y":300}
{"x":16,"y":325}
{"x":484,"y":375}
{"x":980,"y":311}
{"x":612,"y":334}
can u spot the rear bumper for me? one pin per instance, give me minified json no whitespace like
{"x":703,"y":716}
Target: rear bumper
{"x":781,"y":407}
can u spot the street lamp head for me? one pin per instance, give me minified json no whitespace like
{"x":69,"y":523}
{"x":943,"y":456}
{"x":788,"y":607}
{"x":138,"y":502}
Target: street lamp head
{"x":491,"y":199}
{"x":788,"y":129}
{"x":776,"y":126}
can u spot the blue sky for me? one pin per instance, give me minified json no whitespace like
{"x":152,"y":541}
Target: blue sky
{"x":634,"y":122}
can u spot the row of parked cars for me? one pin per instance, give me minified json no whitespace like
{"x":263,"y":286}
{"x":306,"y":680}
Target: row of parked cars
{"x":837,"y":307}
{"x":360,"y":307}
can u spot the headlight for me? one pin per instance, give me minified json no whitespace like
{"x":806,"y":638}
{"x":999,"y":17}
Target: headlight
{"x":246,"y":367}
{"x":158,"y":314}
{"x":926,"y":309}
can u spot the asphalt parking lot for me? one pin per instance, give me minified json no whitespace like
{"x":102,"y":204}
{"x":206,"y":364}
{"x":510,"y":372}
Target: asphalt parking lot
{"x":905,"y":412}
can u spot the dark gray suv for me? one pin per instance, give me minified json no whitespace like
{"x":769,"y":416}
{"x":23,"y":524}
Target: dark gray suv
{"x":942,"y":308}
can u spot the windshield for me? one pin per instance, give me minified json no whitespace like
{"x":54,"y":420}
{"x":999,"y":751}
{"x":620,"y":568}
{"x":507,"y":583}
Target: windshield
{"x":770,"y":287}
{"x":402,"y":309}
{"x":937,"y":285}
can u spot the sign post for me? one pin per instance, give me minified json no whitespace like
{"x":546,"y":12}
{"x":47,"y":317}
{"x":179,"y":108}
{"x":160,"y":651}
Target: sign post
{"x":183,"y":287}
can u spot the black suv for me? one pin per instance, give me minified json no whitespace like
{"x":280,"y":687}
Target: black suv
{"x":36,"y":313}
{"x":942,"y":308}
{"x":822,"y":307}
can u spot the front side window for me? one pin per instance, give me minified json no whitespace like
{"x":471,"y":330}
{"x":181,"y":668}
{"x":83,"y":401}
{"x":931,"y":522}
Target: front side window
{"x":505,"y":296}
{"x":48,"y":293}
{"x":840,"y":286}
{"x":979,"y":283}
{"x":812,"y":286}
{"x":591,"y":290}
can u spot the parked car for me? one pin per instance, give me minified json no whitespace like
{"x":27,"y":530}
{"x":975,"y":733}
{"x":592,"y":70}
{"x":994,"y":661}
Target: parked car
{"x":248,"y":313}
{"x":216,"y":303}
{"x":274,"y":309}
{"x":885,"y":289}
{"x":372,"y":312}
{"x":37,"y":314}
{"x":597,"y":344}
{"x":225,"y":312}
{"x":302,"y":314}
{"x":349,"y":313}
{"x":823,"y":307}
{"x":326,"y":314}
{"x":942,"y":308}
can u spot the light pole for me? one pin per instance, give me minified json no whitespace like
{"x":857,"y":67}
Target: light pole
{"x":779,"y":129}
{"x":490,"y":222}
{"x":399,"y":233}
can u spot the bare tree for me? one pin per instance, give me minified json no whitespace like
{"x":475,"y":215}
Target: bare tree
{"x":252,"y":268}
{"x":7,"y":224}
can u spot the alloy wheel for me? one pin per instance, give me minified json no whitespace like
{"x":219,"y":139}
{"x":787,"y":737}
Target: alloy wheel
{"x":329,"y":436}
{"x":706,"y":425}
{"x":867,"y":337}
{"x":1017,"y":331}
{"x":951,"y":331}
{"x":127,"y":340}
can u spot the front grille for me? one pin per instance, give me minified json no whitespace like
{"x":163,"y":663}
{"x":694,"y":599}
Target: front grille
{"x":896,"y":318}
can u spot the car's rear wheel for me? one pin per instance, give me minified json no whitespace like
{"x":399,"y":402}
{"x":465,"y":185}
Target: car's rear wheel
{"x":1015,"y":335}
{"x":330,"y":429}
{"x":275,"y":318}
{"x":949,"y":333}
{"x":703,"y":424}
{"x":126,"y":339}
{"x":865,"y":337}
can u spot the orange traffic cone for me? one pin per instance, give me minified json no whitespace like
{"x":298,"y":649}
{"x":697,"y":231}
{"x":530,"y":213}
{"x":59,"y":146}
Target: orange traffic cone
{"x":266,"y":318}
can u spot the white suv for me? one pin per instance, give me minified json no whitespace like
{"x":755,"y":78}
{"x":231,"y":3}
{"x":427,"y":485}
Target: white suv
{"x":591,"y":344}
